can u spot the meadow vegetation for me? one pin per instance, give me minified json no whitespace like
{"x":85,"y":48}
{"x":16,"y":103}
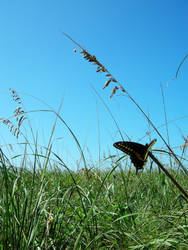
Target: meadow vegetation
{"x":111,"y":209}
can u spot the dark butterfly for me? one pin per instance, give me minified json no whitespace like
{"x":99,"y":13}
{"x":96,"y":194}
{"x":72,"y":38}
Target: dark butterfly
{"x":137,"y":152}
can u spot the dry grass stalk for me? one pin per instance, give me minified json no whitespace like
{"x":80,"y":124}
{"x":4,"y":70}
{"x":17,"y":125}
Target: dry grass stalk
{"x":18,"y":114}
{"x":100,"y":67}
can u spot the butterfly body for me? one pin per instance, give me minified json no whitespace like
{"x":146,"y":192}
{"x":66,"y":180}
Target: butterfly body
{"x":137,"y":152}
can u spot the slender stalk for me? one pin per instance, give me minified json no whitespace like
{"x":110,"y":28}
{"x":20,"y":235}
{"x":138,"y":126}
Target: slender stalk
{"x":169,"y":175}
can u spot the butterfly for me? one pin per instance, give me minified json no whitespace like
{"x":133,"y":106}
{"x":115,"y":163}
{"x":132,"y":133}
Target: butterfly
{"x":137,"y":152}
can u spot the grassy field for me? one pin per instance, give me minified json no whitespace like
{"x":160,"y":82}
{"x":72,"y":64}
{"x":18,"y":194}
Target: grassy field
{"x":109,"y":209}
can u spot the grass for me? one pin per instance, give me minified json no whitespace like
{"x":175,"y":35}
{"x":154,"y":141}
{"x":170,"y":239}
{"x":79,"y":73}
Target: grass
{"x":110,"y":209}
{"x":49,"y":206}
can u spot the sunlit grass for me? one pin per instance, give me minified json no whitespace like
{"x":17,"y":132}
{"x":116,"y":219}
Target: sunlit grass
{"x":110,"y":209}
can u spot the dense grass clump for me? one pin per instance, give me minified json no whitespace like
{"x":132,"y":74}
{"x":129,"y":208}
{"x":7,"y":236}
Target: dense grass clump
{"x":109,"y":209}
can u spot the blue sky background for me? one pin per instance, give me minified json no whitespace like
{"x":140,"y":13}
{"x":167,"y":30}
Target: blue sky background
{"x":140,"y":42}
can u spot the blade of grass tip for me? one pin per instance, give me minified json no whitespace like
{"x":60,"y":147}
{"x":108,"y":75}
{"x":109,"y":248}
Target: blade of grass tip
{"x":185,"y":57}
{"x":177,"y":72}
{"x":54,"y":125}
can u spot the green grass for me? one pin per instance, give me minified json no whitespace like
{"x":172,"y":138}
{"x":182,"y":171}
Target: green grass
{"x":109,"y":209}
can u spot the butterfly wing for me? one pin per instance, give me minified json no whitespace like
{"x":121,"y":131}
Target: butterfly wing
{"x":137,"y":152}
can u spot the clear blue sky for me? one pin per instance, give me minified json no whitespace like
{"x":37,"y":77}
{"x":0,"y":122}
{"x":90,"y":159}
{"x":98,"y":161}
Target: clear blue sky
{"x":140,"y":42}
